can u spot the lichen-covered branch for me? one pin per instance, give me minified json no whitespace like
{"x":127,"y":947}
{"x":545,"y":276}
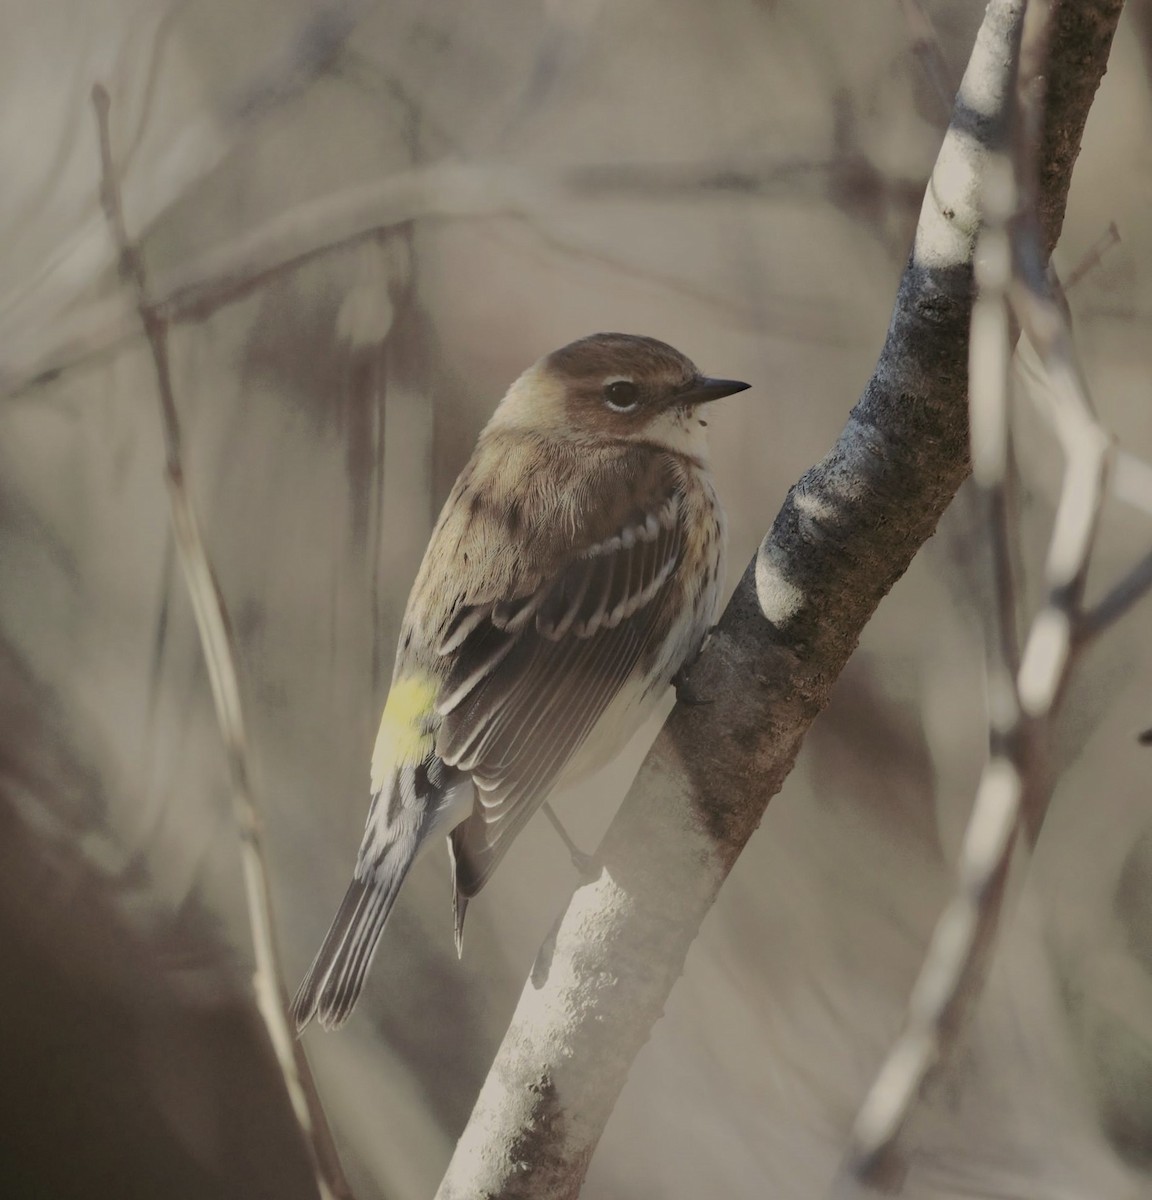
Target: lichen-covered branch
{"x":846,"y":533}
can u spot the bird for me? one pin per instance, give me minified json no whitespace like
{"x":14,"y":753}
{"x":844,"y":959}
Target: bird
{"x":575,"y":569}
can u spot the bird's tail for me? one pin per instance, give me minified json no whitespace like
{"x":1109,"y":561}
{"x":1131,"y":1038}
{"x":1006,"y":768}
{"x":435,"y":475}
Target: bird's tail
{"x":335,"y":979}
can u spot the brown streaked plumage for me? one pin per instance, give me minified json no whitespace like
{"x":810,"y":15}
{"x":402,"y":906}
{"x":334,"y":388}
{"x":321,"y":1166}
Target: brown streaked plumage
{"x":575,"y":567}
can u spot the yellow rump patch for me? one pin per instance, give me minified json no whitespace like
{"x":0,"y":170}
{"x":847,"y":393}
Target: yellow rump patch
{"x":404,"y":736}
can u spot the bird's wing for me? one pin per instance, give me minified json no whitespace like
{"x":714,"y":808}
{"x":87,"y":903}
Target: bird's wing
{"x":530,"y":675}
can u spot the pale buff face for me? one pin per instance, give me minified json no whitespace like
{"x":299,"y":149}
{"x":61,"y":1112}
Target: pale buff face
{"x":609,"y":386}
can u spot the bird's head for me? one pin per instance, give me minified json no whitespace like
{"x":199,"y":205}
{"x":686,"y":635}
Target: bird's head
{"x":616,"y":386}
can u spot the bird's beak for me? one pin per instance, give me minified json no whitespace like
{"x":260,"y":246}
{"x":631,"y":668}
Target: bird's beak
{"x":704,"y":390}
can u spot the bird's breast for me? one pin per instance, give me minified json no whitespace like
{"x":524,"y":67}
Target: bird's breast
{"x":700,"y":578}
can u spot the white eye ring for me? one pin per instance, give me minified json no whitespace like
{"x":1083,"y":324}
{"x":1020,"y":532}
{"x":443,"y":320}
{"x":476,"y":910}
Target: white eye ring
{"x":621,"y":394}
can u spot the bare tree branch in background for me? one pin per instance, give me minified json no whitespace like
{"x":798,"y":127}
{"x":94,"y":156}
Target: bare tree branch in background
{"x":956,"y":962}
{"x":1024,"y":690}
{"x":355,"y":216}
{"x":213,"y":626}
{"x":926,"y":49}
{"x":847,"y":531}
{"x":1093,"y":256}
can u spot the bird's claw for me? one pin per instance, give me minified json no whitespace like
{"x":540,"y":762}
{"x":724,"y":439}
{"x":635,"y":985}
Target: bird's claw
{"x":585,"y":864}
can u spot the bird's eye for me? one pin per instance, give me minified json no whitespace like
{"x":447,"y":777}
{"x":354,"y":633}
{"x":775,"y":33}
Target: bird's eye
{"x":621,"y":395}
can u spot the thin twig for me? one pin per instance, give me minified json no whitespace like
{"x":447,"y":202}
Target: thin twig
{"x":350,"y":217}
{"x":216,"y":643}
{"x":1093,"y":256}
{"x":1123,"y":596}
{"x":929,"y":53}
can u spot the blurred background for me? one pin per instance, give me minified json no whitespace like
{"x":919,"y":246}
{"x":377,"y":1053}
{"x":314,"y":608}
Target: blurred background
{"x":740,"y":179}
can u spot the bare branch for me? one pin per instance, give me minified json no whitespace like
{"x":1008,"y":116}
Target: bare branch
{"x":956,"y":961}
{"x":927,"y":50}
{"x":192,"y":292}
{"x":215,"y":639}
{"x":1025,"y":691}
{"x":847,"y":531}
{"x":1093,"y":256}
{"x":1123,"y":596}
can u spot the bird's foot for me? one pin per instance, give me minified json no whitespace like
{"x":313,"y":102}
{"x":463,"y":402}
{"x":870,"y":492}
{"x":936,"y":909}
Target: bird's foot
{"x":585,"y":864}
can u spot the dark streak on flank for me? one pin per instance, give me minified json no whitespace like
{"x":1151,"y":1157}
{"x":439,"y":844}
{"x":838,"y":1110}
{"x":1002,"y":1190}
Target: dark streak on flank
{"x":513,"y":517}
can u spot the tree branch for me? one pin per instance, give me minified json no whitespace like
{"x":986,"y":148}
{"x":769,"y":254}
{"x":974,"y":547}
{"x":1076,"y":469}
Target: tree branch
{"x":1024,"y":689}
{"x":216,"y":642}
{"x":846,"y":533}
{"x":348,"y":218}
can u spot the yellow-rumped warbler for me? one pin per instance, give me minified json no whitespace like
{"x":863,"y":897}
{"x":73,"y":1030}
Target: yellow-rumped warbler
{"x":575,"y":568}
